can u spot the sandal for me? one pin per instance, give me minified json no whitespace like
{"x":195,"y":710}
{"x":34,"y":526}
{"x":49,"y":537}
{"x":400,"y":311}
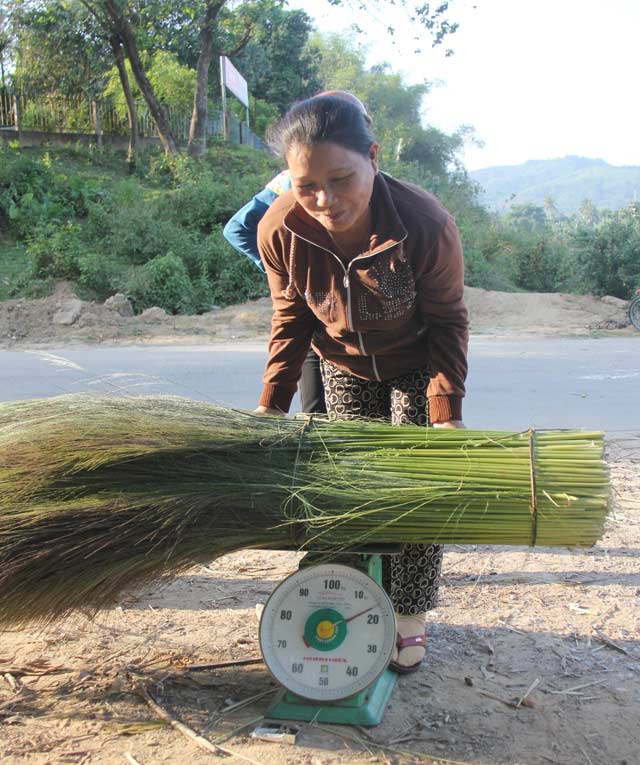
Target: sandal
{"x":408,"y":642}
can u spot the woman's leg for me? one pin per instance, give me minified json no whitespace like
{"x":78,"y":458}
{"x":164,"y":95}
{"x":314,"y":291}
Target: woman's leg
{"x":415,"y":572}
{"x":349,"y":396}
{"x":310,"y":387}
{"x":410,"y":577}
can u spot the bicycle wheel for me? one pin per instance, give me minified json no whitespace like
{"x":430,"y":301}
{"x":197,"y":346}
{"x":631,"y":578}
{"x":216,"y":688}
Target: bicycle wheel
{"x":634,"y":312}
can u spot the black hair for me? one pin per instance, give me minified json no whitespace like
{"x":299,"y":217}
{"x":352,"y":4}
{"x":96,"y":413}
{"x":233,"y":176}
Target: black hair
{"x":322,"y":118}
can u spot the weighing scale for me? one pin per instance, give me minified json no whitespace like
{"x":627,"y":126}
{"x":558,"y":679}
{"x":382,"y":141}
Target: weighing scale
{"x":327,"y":634}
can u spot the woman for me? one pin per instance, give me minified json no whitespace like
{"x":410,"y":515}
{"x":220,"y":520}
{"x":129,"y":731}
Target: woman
{"x":369,"y":271}
{"x":241,"y":231}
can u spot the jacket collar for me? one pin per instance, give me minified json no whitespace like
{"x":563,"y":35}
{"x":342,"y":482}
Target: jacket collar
{"x":388,"y":229}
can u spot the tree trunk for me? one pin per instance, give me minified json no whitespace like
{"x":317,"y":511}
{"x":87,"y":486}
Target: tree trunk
{"x":97,"y":125}
{"x":134,"y":136}
{"x":17,"y":115}
{"x":158,"y":113}
{"x":198,"y":125}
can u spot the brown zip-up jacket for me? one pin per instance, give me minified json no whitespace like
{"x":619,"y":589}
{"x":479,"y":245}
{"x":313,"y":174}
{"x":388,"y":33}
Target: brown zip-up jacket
{"x":396,"y":307}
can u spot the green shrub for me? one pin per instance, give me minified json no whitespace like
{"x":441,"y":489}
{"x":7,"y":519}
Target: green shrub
{"x":163,"y":282}
{"x":23,"y":190}
{"x":205,"y":201}
{"x":238,"y":162}
{"x":34,"y":289}
{"x":131,"y":227}
{"x":72,"y":213}
{"x":55,"y":251}
{"x":99,"y":276}
{"x":232,"y":276}
{"x":33,"y":192}
{"x":15,"y":268}
{"x":537,"y":270}
{"x":225,"y":162}
{"x":488,"y":256}
{"x":172,"y":83}
{"x":608,"y":254}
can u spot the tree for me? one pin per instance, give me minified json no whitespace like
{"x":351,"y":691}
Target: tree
{"x":588,"y":212}
{"x":255,"y":27}
{"x":396,"y":108}
{"x":49,"y":36}
{"x":277,"y":61}
{"x":551,"y":209}
{"x":280,"y":65}
{"x":422,"y":15}
{"x":527,"y":217}
{"x":134,"y":135}
{"x":112,"y":15}
{"x":209,"y":33}
{"x":221,"y":31}
{"x":173,"y":83}
{"x":435,"y":150}
{"x":608,"y":254}
{"x":5,"y":40}
{"x":197,"y":127}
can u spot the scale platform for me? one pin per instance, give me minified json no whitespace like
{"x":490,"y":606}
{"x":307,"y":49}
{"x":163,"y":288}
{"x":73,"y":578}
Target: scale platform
{"x":365,"y":708}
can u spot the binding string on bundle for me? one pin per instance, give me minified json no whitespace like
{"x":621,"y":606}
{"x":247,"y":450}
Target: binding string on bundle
{"x":534,"y":501}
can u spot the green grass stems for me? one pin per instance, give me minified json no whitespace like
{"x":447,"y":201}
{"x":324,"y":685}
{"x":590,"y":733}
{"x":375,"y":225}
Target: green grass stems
{"x":99,"y":494}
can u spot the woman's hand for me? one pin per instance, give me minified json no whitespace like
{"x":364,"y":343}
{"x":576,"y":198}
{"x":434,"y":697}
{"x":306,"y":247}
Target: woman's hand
{"x":449,"y":424}
{"x":269,"y":410}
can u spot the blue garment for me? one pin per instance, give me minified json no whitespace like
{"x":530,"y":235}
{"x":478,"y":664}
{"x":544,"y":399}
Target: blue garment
{"x":242,"y":230}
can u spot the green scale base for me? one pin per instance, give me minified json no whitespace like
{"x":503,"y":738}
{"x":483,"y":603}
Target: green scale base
{"x":364,"y":708}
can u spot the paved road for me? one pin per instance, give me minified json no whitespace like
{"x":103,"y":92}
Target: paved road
{"x":513,"y":384}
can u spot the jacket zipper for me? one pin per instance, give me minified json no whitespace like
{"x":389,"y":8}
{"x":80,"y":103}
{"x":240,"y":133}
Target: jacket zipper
{"x":347,"y":285}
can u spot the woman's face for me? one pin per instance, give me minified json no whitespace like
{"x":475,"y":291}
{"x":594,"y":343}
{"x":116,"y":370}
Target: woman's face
{"x":333,"y":184}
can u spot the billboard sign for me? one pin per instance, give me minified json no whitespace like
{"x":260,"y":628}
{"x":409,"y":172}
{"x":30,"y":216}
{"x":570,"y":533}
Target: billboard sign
{"x":233,"y":80}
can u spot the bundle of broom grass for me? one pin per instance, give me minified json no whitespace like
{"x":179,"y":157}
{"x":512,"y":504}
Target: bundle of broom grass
{"x":99,"y":494}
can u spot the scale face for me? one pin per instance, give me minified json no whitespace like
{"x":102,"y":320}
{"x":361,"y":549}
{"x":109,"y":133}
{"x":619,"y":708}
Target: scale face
{"x":327,"y":632}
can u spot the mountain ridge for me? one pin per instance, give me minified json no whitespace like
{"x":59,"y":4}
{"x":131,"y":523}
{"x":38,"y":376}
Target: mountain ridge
{"x":568,"y":181}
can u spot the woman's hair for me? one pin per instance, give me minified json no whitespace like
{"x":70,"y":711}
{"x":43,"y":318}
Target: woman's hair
{"x":322,"y":118}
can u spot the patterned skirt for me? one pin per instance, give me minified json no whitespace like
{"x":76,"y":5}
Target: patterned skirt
{"x":412,"y":576}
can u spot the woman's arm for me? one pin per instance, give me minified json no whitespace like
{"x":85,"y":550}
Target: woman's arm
{"x":292,"y":324}
{"x":242,"y":230}
{"x":440,"y":288}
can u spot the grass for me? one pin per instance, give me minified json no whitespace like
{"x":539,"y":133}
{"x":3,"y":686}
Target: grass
{"x":15,"y":267}
{"x":81,"y":217}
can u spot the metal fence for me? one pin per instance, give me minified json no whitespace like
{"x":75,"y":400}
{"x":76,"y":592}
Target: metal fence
{"x":7,"y":118}
{"x":90,"y":117}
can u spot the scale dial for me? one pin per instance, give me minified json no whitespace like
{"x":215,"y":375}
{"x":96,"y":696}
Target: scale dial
{"x":327,"y":632}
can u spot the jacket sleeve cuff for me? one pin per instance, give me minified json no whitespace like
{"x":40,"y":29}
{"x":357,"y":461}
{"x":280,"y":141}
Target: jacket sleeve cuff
{"x":276,"y":396}
{"x":444,"y":408}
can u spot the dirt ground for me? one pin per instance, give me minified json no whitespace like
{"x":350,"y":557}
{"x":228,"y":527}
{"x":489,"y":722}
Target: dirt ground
{"x":533,"y":654}
{"x":63,"y":318}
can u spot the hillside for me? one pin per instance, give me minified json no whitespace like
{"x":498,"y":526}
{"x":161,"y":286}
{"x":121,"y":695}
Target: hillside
{"x":568,"y":181}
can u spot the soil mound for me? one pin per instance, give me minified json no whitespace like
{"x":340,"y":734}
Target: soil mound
{"x":63,"y":317}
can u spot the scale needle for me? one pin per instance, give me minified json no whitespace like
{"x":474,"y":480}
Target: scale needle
{"x":355,"y":616}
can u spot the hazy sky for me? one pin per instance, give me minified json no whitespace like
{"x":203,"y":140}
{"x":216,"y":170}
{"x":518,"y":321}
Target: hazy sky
{"x":538,"y":79}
